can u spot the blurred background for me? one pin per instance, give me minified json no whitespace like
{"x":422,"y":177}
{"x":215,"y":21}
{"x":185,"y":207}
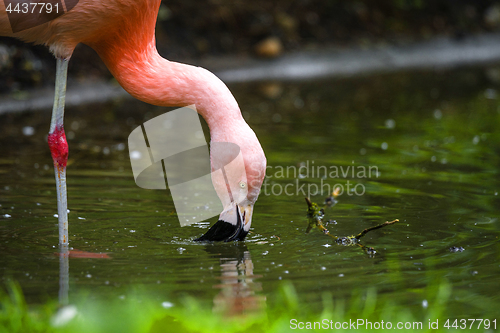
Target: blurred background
{"x":223,"y":30}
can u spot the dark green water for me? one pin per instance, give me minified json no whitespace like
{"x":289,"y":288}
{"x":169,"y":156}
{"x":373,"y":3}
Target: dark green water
{"x":431,"y":142}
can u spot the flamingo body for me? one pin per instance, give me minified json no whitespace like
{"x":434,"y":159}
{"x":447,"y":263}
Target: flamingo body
{"x":122,"y":33}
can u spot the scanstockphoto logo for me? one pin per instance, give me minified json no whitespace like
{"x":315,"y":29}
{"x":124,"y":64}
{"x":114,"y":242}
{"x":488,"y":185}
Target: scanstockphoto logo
{"x":309,"y":179}
{"x":171,"y":149}
{"x":25,"y":14}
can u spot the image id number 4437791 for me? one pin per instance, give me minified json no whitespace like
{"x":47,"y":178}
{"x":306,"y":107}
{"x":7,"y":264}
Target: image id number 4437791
{"x":32,"y":8}
{"x":470,"y":324}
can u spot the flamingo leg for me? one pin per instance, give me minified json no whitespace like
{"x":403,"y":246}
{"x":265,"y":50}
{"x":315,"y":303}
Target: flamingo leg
{"x":59,"y":149}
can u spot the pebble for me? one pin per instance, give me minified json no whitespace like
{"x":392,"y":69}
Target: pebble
{"x":270,"y":47}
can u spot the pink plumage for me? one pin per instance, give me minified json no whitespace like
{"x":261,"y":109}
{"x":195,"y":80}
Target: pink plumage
{"x":122,"y":33}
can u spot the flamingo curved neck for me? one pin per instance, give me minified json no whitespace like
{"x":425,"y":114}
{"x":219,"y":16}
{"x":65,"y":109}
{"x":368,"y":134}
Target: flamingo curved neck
{"x":147,"y":76}
{"x":155,"y":80}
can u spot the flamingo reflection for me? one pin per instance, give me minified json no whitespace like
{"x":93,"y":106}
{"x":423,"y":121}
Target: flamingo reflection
{"x":239,"y":292}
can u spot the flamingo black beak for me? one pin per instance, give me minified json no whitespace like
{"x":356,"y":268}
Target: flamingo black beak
{"x":233,"y":224}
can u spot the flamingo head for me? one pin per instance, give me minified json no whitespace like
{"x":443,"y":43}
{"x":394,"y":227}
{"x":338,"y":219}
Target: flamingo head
{"x":238,"y":170}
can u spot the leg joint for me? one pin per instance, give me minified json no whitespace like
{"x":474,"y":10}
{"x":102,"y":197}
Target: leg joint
{"x":58,"y":147}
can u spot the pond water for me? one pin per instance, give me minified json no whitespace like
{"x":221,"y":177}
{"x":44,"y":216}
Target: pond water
{"x":425,"y":150}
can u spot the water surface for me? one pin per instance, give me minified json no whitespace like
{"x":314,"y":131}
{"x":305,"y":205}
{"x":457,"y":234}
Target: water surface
{"x":428,"y":143}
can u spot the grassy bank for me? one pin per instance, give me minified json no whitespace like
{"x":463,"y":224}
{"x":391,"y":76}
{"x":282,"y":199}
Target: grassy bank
{"x":138,"y":312}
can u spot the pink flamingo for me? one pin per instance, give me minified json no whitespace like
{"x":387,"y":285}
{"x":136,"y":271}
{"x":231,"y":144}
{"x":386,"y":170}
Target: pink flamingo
{"x":122,"y":33}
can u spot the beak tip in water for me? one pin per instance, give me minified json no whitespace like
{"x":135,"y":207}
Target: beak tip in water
{"x":223,"y":231}
{"x":234,"y":229}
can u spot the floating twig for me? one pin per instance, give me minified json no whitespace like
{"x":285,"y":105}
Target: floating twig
{"x":316,"y":214}
{"x":364,"y":232}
